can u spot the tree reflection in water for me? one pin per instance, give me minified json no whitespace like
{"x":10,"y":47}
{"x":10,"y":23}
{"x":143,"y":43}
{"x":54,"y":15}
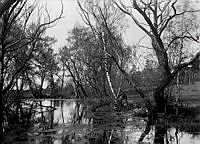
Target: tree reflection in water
{"x":70,"y":121}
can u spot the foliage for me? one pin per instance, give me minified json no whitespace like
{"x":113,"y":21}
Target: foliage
{"x":19,"y":40}
{"x":85,"y":60}
{"x":43,"y":67}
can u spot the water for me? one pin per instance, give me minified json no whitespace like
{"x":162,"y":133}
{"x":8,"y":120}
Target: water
{"x":73,"y":122}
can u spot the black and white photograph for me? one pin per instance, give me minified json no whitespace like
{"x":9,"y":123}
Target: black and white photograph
{"x":100,"y":71}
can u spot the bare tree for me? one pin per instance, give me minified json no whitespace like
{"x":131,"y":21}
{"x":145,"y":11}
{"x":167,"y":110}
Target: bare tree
{"x":157,"y":15}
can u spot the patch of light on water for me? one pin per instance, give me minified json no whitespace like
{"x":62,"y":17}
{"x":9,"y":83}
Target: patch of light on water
{"x":183,"y":138}
{"x":63,"y":114}
{"x":133,"y":134}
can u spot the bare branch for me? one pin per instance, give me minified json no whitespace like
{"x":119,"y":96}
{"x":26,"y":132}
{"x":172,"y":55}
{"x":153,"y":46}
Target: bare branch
{"x":86,"y":18}
{"x":122,"y":8}
{"x":49,"y":22}
{"x":182,"y":37}
{"x":185,"y":64}
{"x":147,"y":19}
{"x":175,"y":14}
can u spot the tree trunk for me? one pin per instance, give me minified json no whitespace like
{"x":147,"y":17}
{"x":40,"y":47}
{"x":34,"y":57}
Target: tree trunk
{"x":1,"y":115}
{"x":110,"y":85}
{"x":160,"y":132}
{"x":106,"y":67}
{"x":160,"y":101}
{"x":63,"y":77}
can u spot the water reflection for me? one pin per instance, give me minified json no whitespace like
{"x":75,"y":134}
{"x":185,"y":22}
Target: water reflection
{"x":72,"y":121}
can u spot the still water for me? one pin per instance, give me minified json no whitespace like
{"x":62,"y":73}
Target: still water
{"x":74,"y":122}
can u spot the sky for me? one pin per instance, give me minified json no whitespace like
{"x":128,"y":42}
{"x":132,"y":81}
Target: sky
{"x":71,"y":17}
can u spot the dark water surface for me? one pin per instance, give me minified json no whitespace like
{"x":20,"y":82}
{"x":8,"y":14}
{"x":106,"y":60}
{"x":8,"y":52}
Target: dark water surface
{"x":75,"y":122}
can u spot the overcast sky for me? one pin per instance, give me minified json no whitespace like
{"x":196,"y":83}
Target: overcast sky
{"x":72,"y":18}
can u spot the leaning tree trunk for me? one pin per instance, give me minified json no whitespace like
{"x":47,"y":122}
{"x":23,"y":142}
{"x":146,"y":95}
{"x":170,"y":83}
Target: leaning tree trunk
{"x":107,"y":69}
{"x":165,"y":74}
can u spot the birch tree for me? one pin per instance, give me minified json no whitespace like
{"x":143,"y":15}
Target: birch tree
{"x":107,"y":25}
